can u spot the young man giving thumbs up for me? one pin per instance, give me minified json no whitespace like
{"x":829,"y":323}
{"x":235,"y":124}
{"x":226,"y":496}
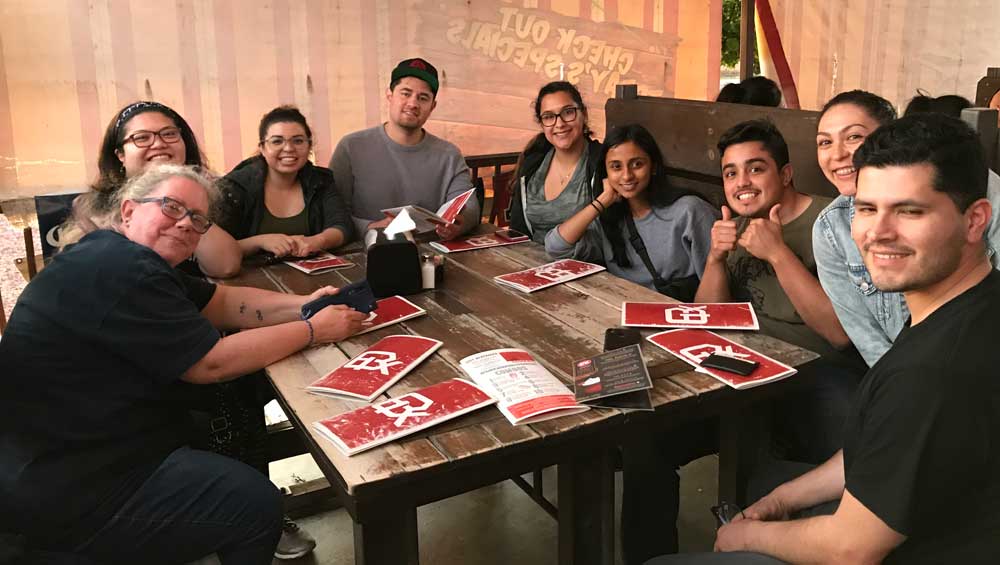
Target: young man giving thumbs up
{"x":762,"y":253}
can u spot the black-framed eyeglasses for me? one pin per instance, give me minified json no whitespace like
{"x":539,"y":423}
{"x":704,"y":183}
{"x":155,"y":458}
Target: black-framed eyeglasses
{"x":277,"y":142}
{"x":143,"y":138}
{"x":177,"y":211}
{"x":725,"y":512}
{"x":568,"y":114}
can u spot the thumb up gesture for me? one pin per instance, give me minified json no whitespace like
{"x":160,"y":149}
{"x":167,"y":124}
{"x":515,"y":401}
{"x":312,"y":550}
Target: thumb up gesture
{"x":723,"y":236}
{"x":763,"y":238}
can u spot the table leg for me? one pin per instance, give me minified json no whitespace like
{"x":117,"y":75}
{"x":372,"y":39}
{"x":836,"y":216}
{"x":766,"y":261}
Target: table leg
{"x":743,"y":437}
{"x":587,"y":509}
{"x":388,"y":541}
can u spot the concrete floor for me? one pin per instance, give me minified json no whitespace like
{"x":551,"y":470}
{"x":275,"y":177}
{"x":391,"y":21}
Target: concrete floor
{"x":497,"y":524}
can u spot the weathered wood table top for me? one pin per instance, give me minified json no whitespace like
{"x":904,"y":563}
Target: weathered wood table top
{"x":471,"y":313}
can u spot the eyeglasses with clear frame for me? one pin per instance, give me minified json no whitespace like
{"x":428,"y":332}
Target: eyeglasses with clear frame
{"x":143,"y":138}
{"x":277,"y":142}
{"x":177,"y":211}
{"x":568,"y":115}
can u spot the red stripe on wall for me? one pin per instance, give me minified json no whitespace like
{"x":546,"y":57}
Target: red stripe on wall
{"x":545,"y":4}
{"x":190,"y":70}
{"x":647,"y":14}
{"x":611,"y":10}
{"x":399,"y":48}
{"x":283,"y":52}
{"x":714,"y":61}
{"x":123,"y":52}
{"x":778,"y":58}
{"x":318,"y":93}
{"x":229,"y":97}
{"x":671,"y":17}
{"x":585,"y":9}
{"x":369,"y":63}
{"x":867,"y":47}
{"x":8,"y":156}
{"x":87,"y":99}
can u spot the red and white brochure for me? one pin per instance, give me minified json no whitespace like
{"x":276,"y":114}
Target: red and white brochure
{"x":450,"y":209}
{"x":424,"y":220}
{"x":370,"y":426}
{"x":319,"y":263}
{"x":549,"y":274}
{"x":693,"y":346}
{"x":476,"y":242}
{"x":377,"y":368}
{"x":525,"y":390}
{"x":709,"y":316}
{"x":391,"y":310}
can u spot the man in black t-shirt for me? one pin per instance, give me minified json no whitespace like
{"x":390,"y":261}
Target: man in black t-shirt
{"x":918,"y":480}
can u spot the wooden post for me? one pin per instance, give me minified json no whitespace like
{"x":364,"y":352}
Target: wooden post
{"x":748,"y":38}
{"x":29,"y":253}
{"x":586,"y":486}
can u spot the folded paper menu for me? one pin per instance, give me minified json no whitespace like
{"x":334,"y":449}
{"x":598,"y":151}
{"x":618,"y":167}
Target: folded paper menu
{"x":370,"y":426}
{"x":391,"y":310}
{"x":425,"y":220}
{"x":549,"y":274}
{"x":369,"y":374}
{"x":693,"y":346}
{"x":526,"y":391}
{"x":477,"y":242}
{"x":708,"y":316}
{"x":319,"y":263}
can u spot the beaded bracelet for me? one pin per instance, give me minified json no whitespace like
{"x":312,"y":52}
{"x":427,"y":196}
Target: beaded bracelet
{"x":312,"y":335}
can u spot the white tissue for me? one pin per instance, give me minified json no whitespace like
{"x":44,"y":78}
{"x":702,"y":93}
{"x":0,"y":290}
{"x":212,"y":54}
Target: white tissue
{"x":402,"y":223}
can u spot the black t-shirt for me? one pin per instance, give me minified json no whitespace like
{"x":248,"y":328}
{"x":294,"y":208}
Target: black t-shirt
{"x":89,"y":392}
{"x":922,"y":443}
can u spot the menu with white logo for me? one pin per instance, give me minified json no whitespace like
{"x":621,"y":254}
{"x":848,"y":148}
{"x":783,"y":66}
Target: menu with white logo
{"x":358,"y":430}
{"x":477,"y":242}
{"x":550,"y":274}
{"x":526,"y":391}
{"x":693,"y":346}
{"x":390,"y":310}
{"x":707,"y":316}
{"x":377,"y":368}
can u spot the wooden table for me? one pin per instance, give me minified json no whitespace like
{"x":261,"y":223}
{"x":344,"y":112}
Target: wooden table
{"x":382,"y":488}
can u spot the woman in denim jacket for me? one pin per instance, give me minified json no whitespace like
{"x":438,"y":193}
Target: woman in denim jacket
{"x":870,"y":317}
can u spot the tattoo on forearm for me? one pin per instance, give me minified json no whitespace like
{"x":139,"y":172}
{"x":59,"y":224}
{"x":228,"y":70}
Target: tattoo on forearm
{"x":260,"y":316}
{"x":243,"y":307}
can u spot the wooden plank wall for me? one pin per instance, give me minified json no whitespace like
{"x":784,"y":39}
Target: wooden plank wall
{"x":66,"y":66}
{"x":890,"y":47}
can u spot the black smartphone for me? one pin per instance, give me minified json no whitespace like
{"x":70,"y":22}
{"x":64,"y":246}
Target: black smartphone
{"x":617,"y":338}
{"x":731,"y":364}
{"x":510,"y":235}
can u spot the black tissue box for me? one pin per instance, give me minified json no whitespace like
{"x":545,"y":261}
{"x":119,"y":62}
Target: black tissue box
{"x":393,"y":264}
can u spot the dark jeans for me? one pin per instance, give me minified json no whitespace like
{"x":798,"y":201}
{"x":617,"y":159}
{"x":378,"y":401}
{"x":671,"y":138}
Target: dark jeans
{"x":195,"y":504}
{"x":766,"y":479}
{"x":806,"y":425}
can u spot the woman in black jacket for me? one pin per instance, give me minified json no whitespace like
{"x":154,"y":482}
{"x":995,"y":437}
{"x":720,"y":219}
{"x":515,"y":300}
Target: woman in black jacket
{"x":557,"y":172}
{"x":279,"y":202}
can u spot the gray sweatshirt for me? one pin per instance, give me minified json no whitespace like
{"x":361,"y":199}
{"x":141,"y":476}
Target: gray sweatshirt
{"x":373,"y":173}
{"x":677,"y":240}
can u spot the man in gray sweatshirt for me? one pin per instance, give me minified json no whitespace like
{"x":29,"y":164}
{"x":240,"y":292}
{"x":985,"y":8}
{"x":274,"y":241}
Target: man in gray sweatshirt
{"x":398,"y":163}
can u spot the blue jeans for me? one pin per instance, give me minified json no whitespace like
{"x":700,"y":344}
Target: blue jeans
{"x":195,"y":504}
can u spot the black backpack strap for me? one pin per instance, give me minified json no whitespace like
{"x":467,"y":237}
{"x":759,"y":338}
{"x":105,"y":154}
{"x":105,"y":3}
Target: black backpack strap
{"x":682,"y":289}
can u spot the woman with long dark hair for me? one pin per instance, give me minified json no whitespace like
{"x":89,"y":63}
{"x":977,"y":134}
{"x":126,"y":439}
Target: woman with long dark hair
{"x":557,"y":173}
{"x":648,"y":232}
{"x":141,"y":135}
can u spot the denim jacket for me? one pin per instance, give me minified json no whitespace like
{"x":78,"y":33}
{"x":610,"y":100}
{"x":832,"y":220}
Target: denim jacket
{"x":871,"y":318}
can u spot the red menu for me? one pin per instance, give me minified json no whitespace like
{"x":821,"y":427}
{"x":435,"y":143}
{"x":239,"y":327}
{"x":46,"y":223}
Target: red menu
{"x":319,"y":263}
{"x":526,"y":391}
{"x":450,"y":210}
{"x":476,"y":242}
{"x":377,"y":368}
{"x":550,"y":274}
{"x":724,"y":316}
{"x":693,"y":346}
{"x":391,"y":310}
{"x":370,"y":426}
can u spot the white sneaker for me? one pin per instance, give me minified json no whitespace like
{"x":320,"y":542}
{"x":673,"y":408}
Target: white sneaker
{"x":294,"y":543}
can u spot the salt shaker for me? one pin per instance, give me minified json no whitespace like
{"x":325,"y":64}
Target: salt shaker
{"x":427,"y":271}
